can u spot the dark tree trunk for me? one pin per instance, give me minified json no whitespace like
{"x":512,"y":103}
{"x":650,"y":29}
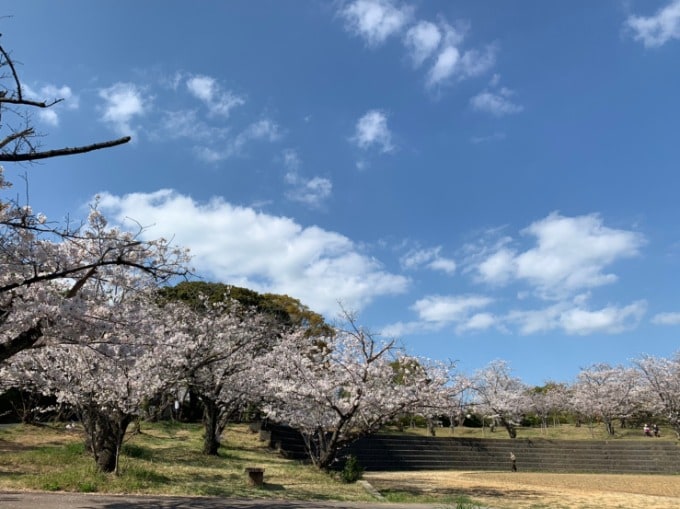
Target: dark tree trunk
{"x":430,"y":428}
{"x":322,"y":448}
{"x":105,"y":431}
{"x":609,"y":425}
{"x":211,"y":424}
{"x":510,"y":427}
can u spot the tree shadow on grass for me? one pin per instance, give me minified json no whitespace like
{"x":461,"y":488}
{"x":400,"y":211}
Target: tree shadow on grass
{"x":211,"y":503}
{"x":12,"y":446}
{"x":471,"y":492}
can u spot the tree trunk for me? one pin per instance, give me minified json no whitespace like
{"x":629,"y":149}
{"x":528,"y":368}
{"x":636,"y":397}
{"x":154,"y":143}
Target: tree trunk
{"x":430,"y":428}
{"x":609,"y":425}
{"x":105,"y":431}
{"x":510,"y":427}
{"x":211,"y":417}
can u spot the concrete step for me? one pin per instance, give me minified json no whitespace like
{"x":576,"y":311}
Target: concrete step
{"x":389,"y":452}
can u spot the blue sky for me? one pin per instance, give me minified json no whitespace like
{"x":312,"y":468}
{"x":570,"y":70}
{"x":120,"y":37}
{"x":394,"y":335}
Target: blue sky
{"x":481,"y":179}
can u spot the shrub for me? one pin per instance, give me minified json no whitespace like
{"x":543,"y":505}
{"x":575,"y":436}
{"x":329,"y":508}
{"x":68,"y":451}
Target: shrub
{"x":352,"y":471}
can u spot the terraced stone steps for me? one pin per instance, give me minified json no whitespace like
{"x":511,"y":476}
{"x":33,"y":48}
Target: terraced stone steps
{"x":402,"y":452}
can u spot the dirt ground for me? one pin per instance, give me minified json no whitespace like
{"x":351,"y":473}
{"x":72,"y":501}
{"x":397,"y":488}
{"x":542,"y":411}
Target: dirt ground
{"x":524,"y":490}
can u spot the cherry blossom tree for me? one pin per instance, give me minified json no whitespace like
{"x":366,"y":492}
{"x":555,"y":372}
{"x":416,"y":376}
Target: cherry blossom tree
{"x":660,"y":385}
{"x":342,"y":387}
{"x":101,"y":331}
{"x":214,"y":348}
{"x":440,"y":395}
{"x":606,"y":392}
{"x":45,"y":269}
{"x":35,"y":251}
{"x":109,"y":366}
{"x":499,"y":395}
{"x":548,"y":400}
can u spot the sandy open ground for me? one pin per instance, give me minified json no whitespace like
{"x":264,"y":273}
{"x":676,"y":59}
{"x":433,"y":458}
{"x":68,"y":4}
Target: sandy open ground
{"x":524,"y":490}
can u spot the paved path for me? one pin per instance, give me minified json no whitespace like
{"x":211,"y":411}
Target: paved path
{"x":88,"y":501}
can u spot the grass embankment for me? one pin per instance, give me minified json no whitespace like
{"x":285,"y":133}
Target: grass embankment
{"x":560,"y":432}
{"x":162,"y":459}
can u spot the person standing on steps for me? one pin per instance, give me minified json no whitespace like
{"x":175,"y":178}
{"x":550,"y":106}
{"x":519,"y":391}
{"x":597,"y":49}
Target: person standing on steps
{"x":513,"y":459}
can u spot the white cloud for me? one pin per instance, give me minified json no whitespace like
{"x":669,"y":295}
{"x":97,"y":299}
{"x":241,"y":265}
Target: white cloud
{"x":371,"y":129}
{"x":437,"y":311}
{"x":499,"y":267}
{"x":421,"y":41}
{"x":50,"y":93}
{"x":122,"y":103}
{"x":219,"y":102}
{"x":187,"y":124}
{"x":312,"y":192}
{"x":202,"y":87}
{"x":375,"y":20}
{"x":241,"y":246}
{"x":476,"y":62}
{"x":571,"y":254}
{"x":451,"y":63}
{"x":264,"y":130}
{"x":666,"y":318}
{"x":576,"y":319}
{"x":446,"y":309}
{"x":447,"y":265}
{"x":400,"y":329}
{"x":610,"y":319}
{"x":210,"y":155}
{"x":534,"y":321}
{"x":291,"y":160}
{"x":444,"y":66}
{"x":64,"y":93}
{"x":430,"y":258}
{"x":362,"y":165}
{"x":497,"y":104}
{"x":466,"y":314}
{"x":49,"y":117}
{"x":657,"y":30}
{"x":477,"y":322}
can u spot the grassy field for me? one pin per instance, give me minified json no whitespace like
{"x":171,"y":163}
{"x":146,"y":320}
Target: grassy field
{"x":162,"y":459}
{"x":165,"y":459}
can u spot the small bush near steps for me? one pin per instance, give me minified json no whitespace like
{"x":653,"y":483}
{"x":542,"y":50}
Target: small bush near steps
{"x":352,"y":471}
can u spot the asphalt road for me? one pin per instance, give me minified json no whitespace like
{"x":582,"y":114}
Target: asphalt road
{"x":89,"y":501}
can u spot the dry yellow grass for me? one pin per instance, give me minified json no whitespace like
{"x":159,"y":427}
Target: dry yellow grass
{"x":523,"y":490}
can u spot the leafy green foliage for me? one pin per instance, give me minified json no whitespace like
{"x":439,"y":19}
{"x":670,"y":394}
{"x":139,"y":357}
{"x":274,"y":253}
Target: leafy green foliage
{"x":284,"y":310}
{"x":352,"y":471}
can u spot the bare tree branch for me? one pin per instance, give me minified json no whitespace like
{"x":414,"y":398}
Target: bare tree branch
{"x":14,"y":71}
{"x":17,"y":135}
{"x":22,"y":341}
{"x":28,"y":102}
{"x":66,"y":151}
